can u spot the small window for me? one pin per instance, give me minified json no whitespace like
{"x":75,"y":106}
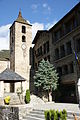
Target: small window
{"x":23,"y":38}
{"x":78,"y":45}
{"x":23,"y":29}
{"x":65,"y":69}
{"x":71,"y":67}
{"x":56,"y":54}
{"x":62,"y":51}
{"x":59,"y":70}
{"x":68,"y":48}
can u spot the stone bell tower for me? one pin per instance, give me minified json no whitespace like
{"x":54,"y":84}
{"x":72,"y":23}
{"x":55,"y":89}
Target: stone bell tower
{"x":20,"y":43}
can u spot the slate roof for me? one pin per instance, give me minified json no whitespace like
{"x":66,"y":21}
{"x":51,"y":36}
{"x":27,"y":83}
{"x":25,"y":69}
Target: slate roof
{"x":21,"y":19}
{"x":10,"y":76}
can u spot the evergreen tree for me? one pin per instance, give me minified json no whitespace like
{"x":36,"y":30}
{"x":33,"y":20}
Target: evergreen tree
{"x":46,"y":77}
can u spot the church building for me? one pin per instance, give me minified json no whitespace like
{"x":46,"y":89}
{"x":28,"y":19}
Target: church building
{"x":19,"y":70}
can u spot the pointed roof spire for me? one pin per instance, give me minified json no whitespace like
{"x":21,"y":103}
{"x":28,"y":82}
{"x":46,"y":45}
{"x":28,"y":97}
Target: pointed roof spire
{"x":21,"y":19}
{"x":20,"y":15}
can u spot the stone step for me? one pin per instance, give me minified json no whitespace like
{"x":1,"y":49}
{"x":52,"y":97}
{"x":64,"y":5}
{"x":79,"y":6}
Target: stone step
{"x":34,"y":111}
{"x":32,"y":118}
{"x":36,"y":114}
{"x":32,"y":115}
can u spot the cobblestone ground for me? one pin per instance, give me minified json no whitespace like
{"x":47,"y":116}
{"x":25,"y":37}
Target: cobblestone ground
{"x":59,"y":106}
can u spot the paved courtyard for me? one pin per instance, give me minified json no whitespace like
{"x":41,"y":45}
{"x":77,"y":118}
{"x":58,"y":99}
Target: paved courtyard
{"x":59,"y":106}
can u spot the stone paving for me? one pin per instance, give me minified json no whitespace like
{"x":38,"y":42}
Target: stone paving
{"x":25,"y":110}
{"x":59,"y":106}
{"x":37,"y":104}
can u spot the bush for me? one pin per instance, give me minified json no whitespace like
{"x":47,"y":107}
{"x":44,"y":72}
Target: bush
{"x":7,"y":100}
{"x":47,"y":115}
{"x":64,"y":114}
{"x":27,"y":97}
{"x":55,"y":115}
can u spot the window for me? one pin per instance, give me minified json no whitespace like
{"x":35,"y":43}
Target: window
{"x":46,"y":47}
{"x":59,"y":70}
{"x":71,"y":67}
{"x":58,"y":34}
{"x":56,"y":53}
{"x":23,"y":38}
{"x":23,"y":29}
{"x":78,"y":45}
{"x":39,"y":51}
{"x":74,"y":22}
{"x":68,"y":46}
{"x":69,"y":26}
{"x":65,"y":69}
{"x":62,"y":51}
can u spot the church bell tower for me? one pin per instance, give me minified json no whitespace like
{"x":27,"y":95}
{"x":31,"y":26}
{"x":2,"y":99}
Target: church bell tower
{"x":20,"y":43}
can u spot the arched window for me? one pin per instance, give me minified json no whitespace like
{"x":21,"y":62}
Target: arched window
{"x":23,"y":29}
{"x":23,"y":38}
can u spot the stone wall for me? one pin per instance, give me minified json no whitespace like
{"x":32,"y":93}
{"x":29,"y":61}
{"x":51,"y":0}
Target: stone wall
{"x":20,"y":63}
{"x":3,"y":65}
{"x":9,"y":113}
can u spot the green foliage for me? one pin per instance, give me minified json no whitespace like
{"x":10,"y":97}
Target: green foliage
{"x":47,"y":115}
{"x":4,"y":54}
{"x":46,"y":77}
{"x":55,"y":115}
{"x":7,"y":100}
{"x":27,"y":97}
{"x":64,"y":114}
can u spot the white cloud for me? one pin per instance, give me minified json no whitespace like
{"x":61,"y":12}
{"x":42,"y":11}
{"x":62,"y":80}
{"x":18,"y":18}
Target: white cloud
{"x":4,"y":32}
{"x":44,"y":5}
{"x":47,"y":7}
{"x":4,"y":36}
{"x":34,"y":7}
{"x":49,"y":25}
{"x":35,"y":27}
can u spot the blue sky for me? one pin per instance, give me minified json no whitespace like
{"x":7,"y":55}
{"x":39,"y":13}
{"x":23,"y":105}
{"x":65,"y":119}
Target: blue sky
{"x":42,"y":14}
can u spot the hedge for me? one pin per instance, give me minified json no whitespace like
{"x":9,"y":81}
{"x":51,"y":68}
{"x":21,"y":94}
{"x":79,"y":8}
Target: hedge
{"x":27,"y":97}
{"x":55,"y":115}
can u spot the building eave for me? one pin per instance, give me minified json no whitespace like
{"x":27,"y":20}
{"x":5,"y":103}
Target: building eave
{"x":63,"y":18}
{"x":39,"y":32}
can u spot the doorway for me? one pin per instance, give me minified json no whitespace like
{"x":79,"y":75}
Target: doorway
{"x":12,"y":87}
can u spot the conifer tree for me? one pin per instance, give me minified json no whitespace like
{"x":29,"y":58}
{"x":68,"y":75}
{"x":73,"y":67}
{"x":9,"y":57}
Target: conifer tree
{"x":46,"y":77}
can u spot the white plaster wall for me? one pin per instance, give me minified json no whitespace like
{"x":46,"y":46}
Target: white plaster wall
{"x":6,"y":87}
{"x":1,"y":88}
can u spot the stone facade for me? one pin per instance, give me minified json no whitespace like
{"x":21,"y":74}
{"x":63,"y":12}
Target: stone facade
{"x":64,"y":39}
{"x":9,"y":113}
{"x":3,"y":65}
{"x":20,"y":43}
{"x":42,"y":47}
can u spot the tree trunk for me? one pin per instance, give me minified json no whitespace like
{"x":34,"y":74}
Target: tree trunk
{"x":50,"y":96}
